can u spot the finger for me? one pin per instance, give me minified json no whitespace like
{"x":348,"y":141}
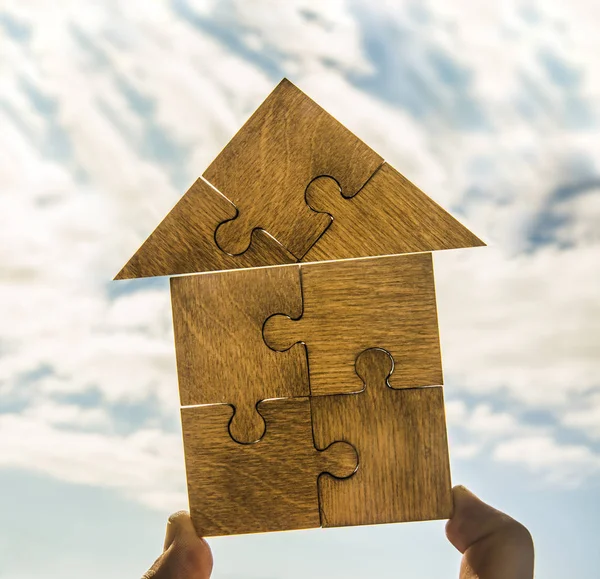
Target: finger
{"x":179,"y":523}
{"x":473,"y":519}
{"x":185,"y":556}
{"x":494,"y":545}
{"x":190,"y":552}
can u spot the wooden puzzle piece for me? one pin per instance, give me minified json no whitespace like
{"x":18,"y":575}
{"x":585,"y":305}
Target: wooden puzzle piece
{"x":184,"y":242}
{"x":252,"y":488}
{"x":350,"y":306}
{"x":388,"y":216}
{"x":400,"y":437}
{"x":265,"y":169}
{"x":221,"y":356}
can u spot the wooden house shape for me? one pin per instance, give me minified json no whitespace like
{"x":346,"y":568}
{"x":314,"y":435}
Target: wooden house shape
{"x":311,"y":389}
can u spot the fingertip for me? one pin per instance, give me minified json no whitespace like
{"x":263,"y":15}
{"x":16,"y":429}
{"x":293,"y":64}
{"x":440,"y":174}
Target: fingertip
{"x":465,"y":499}
{"x":471,"y":519}
{"x":179,"y":515}
{"x":184,"y":550}
{"x":462,"y":494}
{"x":179,"y":525}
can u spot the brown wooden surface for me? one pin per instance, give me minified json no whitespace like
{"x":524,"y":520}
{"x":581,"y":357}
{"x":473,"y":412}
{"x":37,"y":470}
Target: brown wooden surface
{"x":184,"y":241}
{"x":267,"y":486}
{"x":221,"y":356}
{"x":400,"y":437}
{"x":388,"y":216}
{"x":350,"y":306}
{"x":266,"y":167}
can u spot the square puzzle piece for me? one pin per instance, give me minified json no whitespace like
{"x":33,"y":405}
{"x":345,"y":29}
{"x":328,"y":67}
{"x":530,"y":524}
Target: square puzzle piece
{"x":351,"y":306}
{"x":400,"y":436}
{"x":265,"y":168}
{"x":221,"y":356}
{"x":267,"y":486}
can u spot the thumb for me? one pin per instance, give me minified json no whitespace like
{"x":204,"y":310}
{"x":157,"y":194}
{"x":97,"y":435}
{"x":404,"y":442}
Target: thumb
{"x":185,"y":555}
{"x":494,"y":545}
{"x":180,"y":527}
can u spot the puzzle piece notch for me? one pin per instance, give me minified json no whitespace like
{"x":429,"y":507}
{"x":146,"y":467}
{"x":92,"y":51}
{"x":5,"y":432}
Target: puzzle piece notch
{"x":388,"y":216}
{"x":267,"y":165}
{"x":247,"y":425}
{"x":374,"y":366}
{"x":267,"y":486}
{"x":400,"y":436}
{"x":232,"y":236}
{"x":221,"y":356}
{"x":278,"y":332}
{"x":350,"y":306}
{"x":184,"y":242}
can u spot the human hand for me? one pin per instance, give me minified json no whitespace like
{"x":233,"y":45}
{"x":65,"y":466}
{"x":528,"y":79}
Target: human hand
{"x":185,"y":555}
{"x":494,"y":546}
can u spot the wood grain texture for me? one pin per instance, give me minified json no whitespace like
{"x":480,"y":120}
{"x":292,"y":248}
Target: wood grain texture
{"x":221,"y":356}
{"x":400,"y":436}
{"x":184,"y":242}
{"x":350,"y":306}
{"x":252,"y":488}
{"x":266,"y":167}
{"x":388,"y":216}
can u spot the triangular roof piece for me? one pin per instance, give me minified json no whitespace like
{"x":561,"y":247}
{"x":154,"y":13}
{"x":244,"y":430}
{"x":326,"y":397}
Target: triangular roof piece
{"x":265,"y":168}
{"x":184,"y":242}
{"x":389,"y":215}
{"x":252,"y":201}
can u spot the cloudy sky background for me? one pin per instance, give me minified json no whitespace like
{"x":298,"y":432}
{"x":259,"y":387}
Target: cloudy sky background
{"x":109,"y":111}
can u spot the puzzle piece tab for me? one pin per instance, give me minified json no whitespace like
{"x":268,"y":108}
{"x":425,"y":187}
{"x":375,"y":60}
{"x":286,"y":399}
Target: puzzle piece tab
{"x":184,"y":242}
{"x":265,"y":169}
{"x":221,"y":356}
{"x":388,"y":216}
{"x":400,"y":437}
{"x":267,"y":486}
{"x":350,"y":306}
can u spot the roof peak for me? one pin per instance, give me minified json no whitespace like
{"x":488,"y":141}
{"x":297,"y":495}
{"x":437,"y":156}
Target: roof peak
{"x":268,"y":199}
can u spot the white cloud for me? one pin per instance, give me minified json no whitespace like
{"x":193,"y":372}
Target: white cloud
{"x":466,"y":451}
{"x":482,"y":420}
{"x":55,"y":414}
{"x":524,"y":324}
{"x":478,"y":428}
{"x":565,"y":464}
{"x":146,"y":466}
{"x":580,"y":217}
{"x":302,"y":32}
{"x":527,"y":325}
{"x":584,"y":416}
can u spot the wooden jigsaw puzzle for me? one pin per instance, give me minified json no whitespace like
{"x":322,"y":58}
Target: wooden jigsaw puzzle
{"x":311,"y":390}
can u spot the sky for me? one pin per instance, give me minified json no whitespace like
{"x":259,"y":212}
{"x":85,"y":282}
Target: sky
{"x":109,"y":111}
